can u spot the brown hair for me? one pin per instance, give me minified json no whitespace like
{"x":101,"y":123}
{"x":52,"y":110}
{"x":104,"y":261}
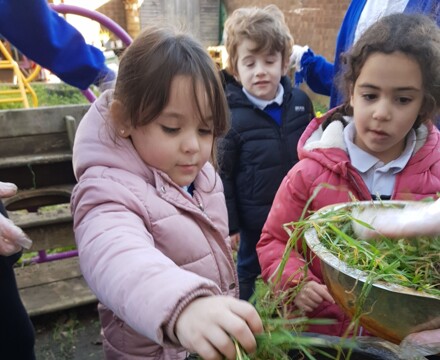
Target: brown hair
{"x":416,"y":36}
{"x":264,"y":26}
{"x":149,"y":65}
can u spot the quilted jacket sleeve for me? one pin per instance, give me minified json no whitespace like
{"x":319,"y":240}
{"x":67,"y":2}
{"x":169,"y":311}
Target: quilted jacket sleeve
{"x":121,"y":264}
{"x":288,"y":205}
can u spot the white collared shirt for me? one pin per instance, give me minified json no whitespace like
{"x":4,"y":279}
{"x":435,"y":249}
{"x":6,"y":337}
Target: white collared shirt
{"x":378,"y":177}
{"x":261,"y":104}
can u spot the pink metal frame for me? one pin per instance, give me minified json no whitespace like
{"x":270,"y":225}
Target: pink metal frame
{"x":126,"y":39}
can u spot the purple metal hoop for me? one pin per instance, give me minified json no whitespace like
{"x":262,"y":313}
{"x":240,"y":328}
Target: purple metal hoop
{"x":100,"y":18}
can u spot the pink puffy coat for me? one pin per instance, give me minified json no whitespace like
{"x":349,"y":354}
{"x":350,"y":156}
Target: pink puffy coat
{"x":146,"y":247}
{"x":324,"y":159}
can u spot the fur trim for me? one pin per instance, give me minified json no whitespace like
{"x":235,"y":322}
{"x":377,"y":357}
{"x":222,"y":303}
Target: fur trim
{"x":331,"y":137}
{"x":422,"y":133}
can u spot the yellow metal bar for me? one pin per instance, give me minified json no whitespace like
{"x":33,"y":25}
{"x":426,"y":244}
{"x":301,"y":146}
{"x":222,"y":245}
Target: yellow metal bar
{"x":21,"y":85}
{"x":24,"y":87}
{"x":3,"y":101}
{"x":9,"y":92}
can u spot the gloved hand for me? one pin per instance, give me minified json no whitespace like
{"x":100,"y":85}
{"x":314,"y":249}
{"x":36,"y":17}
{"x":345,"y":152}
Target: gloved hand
{"x":297,"y":54}
{"x":424,"y":343}
{"x":12,"y":238}
{"x":417,"y":219}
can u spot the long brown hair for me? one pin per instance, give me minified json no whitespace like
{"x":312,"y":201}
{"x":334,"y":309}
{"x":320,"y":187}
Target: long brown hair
{"x":149,"y":65}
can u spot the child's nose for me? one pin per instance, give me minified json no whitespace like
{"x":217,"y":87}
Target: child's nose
{"x":382,"y":110}
{"x":191,"y":143}
{"x":261,"y":69}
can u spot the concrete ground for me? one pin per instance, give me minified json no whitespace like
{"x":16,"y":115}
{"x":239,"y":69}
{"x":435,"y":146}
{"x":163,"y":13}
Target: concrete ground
{"x":73,"y":334}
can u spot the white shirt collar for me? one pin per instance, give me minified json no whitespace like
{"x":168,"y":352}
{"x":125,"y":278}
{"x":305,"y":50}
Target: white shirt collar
{"x":261,"y":104}
{"x":364,"y":161}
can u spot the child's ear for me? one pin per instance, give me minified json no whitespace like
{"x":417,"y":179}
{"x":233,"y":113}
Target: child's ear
{"x":120,"y":119}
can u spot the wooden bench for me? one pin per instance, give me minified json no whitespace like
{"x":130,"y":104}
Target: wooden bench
{"x":36,"y":155}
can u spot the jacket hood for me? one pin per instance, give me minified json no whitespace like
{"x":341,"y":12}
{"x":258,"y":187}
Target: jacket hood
{"x":119,"y":152}
{"x":328,"y":147}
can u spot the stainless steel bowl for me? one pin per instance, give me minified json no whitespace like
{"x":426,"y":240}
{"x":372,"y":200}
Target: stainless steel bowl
{"x":389,"y":311}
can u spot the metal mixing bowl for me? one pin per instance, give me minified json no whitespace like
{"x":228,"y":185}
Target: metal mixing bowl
{"x":389,"y":311}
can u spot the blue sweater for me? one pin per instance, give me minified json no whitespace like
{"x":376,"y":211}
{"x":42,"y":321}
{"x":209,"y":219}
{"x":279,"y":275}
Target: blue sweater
{"x":319,"y":73}
{"x":48,"y":39}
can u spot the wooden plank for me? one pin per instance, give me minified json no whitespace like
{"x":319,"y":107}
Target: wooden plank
{"x":52,"y":286}
{"x":51,"y":237}
{"x":29,"y":160}
{"x":62,"y":295}
{"x":49,"y":272}
{"x":38,"y":144}
{"x":42,"y":120}
{"x":51,"y":225}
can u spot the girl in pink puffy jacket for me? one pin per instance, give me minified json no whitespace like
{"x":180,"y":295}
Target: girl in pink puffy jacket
{"x":381,"y":143}
{"x":149,"y":212}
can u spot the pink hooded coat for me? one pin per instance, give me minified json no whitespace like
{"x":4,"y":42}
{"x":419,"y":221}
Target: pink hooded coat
{"x":146,"y":247}
{"x":324,"y":160}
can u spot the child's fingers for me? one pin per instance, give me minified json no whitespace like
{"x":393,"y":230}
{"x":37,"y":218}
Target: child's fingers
{"x":222,"y":343}
{"x":247,"y":312}
{"x":206,"y":350}
{"x":323,"y":293}
{"x":7,"y":189}
{"x":244,"y":325}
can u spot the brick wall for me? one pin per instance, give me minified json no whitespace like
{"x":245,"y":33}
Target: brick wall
{"x":114,"y":9}
{"x":312,"y":22}
{"x":199,"y":16}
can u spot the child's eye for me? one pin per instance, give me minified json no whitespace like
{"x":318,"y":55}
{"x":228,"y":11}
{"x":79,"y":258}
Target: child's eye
{"x":169,"y":130}
{"x":404,"y":100}
{"x":205,"y":131}
{"x":369,"y":97}
{"x":249,"y":64}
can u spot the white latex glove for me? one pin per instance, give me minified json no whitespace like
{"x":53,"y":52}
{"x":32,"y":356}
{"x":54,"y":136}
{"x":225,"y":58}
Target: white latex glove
{"x":12,"y":238}
{"x":418,"y":219}
{"x":420,"y":344}
{"x":297,"y":54}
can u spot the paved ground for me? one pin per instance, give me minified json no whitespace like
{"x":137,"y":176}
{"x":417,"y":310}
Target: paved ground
{"x":68,"y":335}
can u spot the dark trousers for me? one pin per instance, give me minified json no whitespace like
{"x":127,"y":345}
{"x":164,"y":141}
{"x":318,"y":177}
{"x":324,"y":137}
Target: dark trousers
{"x":248,"y":267}
{"x":16,"y":330}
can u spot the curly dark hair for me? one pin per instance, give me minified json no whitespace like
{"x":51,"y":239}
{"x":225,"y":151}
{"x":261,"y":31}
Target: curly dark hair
{"x":414,"y":35}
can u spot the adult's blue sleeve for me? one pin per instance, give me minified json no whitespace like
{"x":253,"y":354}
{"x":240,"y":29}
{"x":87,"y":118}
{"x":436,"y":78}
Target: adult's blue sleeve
{"x":317,"y":72}
{"x":45,"y":37}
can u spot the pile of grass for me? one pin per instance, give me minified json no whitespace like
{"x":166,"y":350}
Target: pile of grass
{"x":410,"y":262}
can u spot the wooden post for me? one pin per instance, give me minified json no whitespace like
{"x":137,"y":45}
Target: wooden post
{"x":132,"y":17}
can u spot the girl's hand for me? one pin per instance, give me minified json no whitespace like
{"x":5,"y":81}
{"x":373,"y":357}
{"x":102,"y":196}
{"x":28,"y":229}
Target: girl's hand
{"x":12,"y":238}
{"x":207,"y":325}
{"x":235,"y":241}
{"x":311,"y":296}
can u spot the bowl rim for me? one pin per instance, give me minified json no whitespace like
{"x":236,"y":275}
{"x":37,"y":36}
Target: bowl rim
{"x":326,"y":256}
